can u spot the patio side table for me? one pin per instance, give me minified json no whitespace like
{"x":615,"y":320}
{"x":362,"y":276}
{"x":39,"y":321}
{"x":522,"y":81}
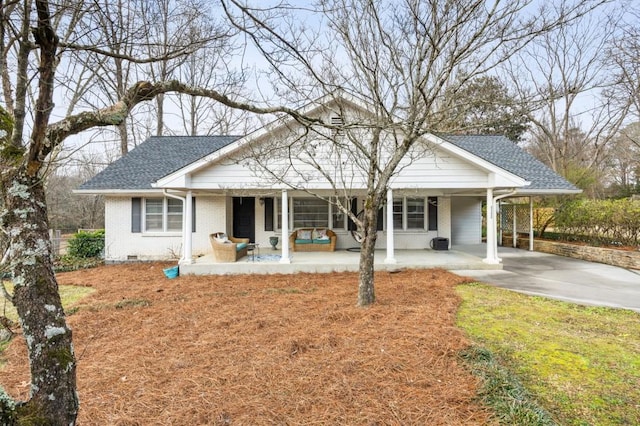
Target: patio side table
{"x":253,"y":248}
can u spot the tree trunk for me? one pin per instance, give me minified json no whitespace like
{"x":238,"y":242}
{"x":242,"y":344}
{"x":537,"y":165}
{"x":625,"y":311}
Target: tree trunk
{"x":53,"y":399}
{"x":160,"y":115}
{"x":366,"y":290}
{"x":124,"y":138}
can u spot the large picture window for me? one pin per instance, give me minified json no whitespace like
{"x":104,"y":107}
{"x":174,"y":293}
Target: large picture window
{"x":162,"y":215}
{"x":310,"y":213}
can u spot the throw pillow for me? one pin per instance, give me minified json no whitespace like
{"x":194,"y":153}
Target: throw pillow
{"x":221,"y":237}
{"x":304,"y":234}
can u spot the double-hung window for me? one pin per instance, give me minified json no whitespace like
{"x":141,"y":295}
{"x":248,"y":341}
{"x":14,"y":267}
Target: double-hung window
{"x":162,"y":215}
{"x":338,"y":218}
{"x":415,"y":213}
{"x":408,"y":213}
{"x":398,"y":209}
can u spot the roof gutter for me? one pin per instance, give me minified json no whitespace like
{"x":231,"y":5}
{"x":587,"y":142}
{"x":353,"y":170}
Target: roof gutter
{"x":513,"y":191}
{"x":186,"y":229}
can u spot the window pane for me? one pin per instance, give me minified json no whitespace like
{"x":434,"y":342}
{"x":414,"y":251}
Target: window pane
{"x":174,"y":215}
{"x":174,"y":206}
{"x":337,"y":220}
{"x":397,"y":213}
{"x":153,"y":214}
{"x":310,"y":213}
{"x":415,"y":213}
{"x":153,"y":205}
{"x":174,"y":222}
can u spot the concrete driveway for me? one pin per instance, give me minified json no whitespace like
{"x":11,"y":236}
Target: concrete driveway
{"x":563,"y":278}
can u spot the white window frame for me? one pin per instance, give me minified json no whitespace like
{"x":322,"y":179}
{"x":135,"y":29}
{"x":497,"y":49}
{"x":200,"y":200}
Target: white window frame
{"x":277,"y":206}
{"x":405,"y":214}
{"x":166,"y":214}
{"x":336,"y":216}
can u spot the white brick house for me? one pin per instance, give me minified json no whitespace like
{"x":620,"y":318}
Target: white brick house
{"x":205,"y":184}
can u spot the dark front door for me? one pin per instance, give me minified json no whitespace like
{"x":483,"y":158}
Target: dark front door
{"x":244,"y":218}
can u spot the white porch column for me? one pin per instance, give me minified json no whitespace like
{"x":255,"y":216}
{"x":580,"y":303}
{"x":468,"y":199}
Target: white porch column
{"x":285,"y":228}
{"x":187,"y":235}
{"x":530,"y":223}
{"x":390,"y":243}
{"x":492,"y":249}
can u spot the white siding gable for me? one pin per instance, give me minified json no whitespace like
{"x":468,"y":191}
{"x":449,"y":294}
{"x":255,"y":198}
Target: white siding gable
{"x":320,"y":158}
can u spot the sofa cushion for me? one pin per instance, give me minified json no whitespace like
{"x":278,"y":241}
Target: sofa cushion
{"x":303,"y":234}
{"x":322,"y":241}
{"x":319,"y":234}
{"x":309,"y":241}
{"x":240,"y":246}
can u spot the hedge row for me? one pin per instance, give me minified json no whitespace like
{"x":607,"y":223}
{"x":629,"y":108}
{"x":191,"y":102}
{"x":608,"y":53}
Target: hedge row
{"x":602,"y":221}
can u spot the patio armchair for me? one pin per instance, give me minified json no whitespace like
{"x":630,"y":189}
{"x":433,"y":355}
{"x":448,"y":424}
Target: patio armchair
{"x":226,"y":248}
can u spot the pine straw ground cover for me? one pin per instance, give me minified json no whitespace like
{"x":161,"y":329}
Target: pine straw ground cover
{"x":270,"y":349}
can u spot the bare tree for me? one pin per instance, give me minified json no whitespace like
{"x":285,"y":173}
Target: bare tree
{"x":121,"y":42}
{"x":198,"y":115}
{"x":624,"y":56}
{"x":563,"y":73}
{"x":177,"y":23}
{"x":420,"y":45}
{"x":399,"y":58}
{"x":69,"y":211}
{"x":105,"y":69}
{"x":26,"y":147}
{"x":624,"y":161}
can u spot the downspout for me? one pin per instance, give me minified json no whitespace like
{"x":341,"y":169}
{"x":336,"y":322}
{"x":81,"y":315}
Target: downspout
{"x":492,"y":228}
{"x":187,"y":225}
{"x":495,"y":200}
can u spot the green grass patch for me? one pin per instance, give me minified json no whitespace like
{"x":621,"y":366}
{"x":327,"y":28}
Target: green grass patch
{"x":70,"y":294}
{"x":582,"y":363}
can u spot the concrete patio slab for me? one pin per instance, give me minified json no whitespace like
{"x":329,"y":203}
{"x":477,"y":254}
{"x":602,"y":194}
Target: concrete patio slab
{"x":267,"y":261}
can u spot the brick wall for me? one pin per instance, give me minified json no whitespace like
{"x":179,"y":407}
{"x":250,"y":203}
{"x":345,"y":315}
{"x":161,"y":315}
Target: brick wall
{"x":622,"y":258}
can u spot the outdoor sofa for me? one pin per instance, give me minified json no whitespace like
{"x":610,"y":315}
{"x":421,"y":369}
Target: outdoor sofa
{"x":313,"y":239}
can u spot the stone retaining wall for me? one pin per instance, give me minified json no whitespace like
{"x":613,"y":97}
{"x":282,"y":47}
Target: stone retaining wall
{"x":622,"y":258}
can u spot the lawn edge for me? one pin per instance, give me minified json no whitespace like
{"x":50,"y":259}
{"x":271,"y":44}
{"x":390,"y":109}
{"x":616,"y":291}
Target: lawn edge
{"x":501,"y":390}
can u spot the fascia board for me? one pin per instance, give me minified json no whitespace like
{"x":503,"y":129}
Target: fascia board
{"x":116,"y":192}
{"x":525,"y":191}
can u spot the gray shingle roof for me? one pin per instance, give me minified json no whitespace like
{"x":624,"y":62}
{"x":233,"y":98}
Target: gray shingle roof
{"x":159,"y":156}
{"x":156,"y":157}
{"x":507,"y":155}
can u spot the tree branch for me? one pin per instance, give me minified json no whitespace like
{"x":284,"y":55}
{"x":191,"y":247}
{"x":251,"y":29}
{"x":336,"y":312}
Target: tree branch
{"x":145,"y":91}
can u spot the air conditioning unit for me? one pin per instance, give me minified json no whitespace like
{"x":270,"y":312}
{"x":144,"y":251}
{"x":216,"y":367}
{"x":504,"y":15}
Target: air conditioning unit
{"x":440,"y":243}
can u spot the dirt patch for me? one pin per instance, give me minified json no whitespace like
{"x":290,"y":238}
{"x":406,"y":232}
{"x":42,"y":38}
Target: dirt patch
{"x":258,"y":350}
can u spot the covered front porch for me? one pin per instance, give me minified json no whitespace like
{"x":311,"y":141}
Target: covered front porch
{"x":268,"y":261}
